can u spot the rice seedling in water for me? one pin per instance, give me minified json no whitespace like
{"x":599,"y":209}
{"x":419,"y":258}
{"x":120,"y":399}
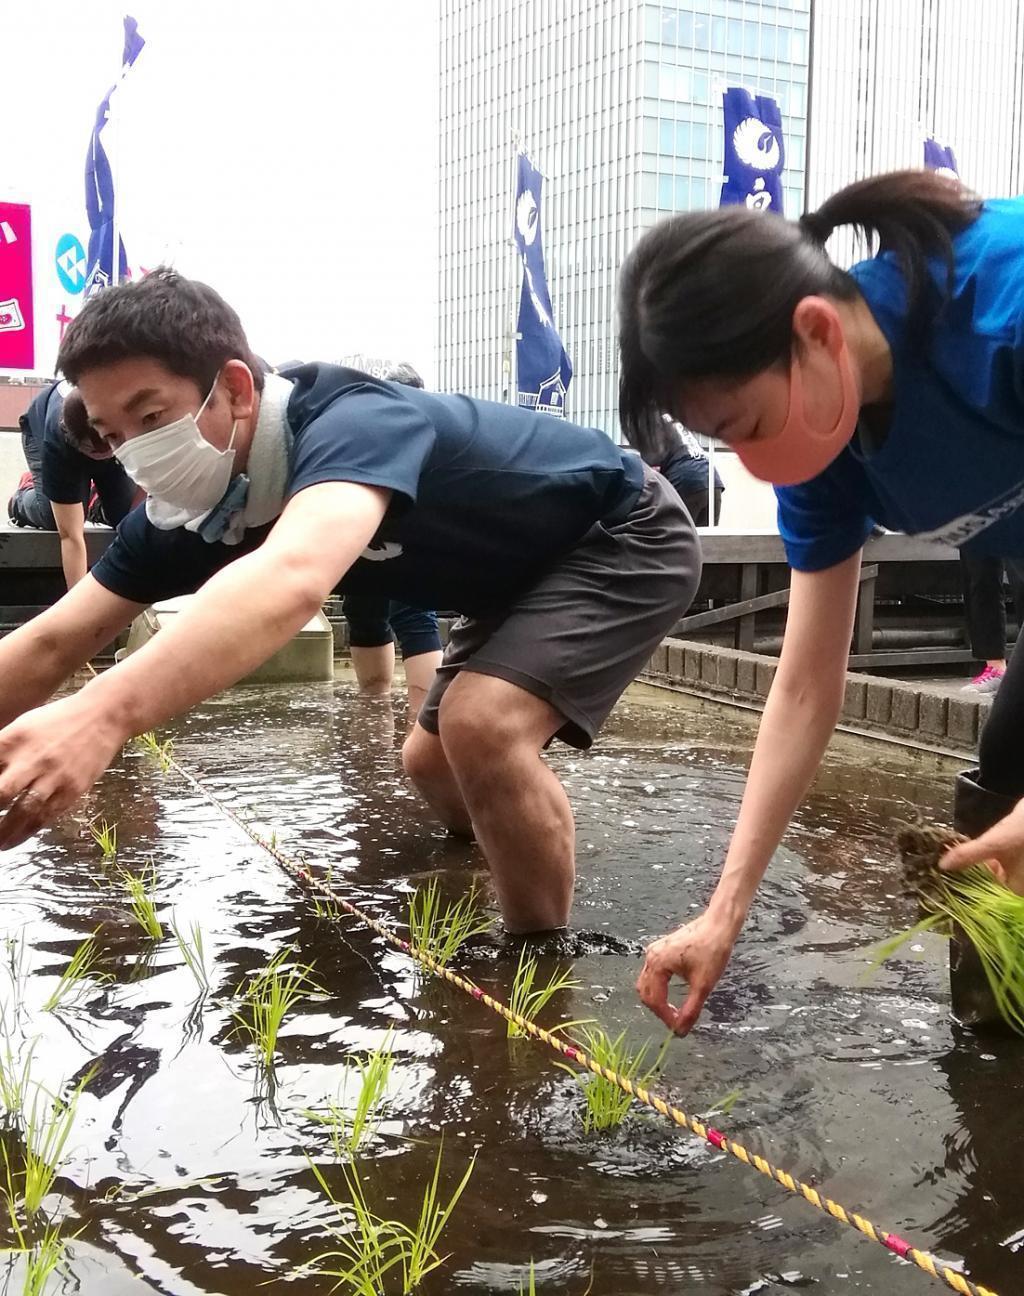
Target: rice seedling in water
{"x":41,"y":1260}
{"x":423,"y":1256}
{"x":327,"y":907}
{"x":606,"y":1103}
{"x":350,"y":1127}
{"x":141,"y":901}
{"x":370,"y":1247}
{"x":105,"y":836}
{"x":16,"y":967}
{"x":441,"y":933}
{"x":268,"y":998}
{"x":160,"y":751}
{"x":528,"y":1001}
{"x":15,"y":1079}
{"x":192,"y":950}
{"x":367,"y":1249}
{"x":73,"y":979}
{"x":33,"y":1153}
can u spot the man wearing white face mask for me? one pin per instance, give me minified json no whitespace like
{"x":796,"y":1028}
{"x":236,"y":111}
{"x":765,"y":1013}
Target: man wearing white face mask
{"x":267,"y":492}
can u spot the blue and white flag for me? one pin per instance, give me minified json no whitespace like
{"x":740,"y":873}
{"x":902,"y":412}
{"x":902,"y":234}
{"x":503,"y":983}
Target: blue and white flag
{"x":941,"y":158}
{"x":754,"y":151}
{"x":543,"y":370}
{"x":99,"y":184}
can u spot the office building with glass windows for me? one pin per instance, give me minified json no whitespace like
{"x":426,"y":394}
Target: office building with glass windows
{"x":619,"y":104}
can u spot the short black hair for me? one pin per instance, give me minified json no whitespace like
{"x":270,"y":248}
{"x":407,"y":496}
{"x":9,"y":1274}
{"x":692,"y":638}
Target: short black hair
{"x":184,"y":324}
{"x":78,"y":431}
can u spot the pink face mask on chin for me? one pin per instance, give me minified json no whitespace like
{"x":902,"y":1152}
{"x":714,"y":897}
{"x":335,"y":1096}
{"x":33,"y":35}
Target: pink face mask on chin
{"x":798,"y":451}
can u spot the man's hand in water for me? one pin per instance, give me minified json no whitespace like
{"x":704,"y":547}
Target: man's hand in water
{"x":697,"y":953}
{"x":1001,"y":848}
{"x":48,"y":758}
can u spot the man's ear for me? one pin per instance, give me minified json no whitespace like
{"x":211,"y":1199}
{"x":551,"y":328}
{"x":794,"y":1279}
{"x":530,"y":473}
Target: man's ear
{"x":241,"y":388}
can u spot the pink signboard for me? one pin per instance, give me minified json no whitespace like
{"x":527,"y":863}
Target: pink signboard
{"x":17,"y":332}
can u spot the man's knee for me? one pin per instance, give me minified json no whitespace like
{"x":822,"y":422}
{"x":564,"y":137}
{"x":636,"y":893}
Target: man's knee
{"x":423,"y":757}
{"x":484,"y":722}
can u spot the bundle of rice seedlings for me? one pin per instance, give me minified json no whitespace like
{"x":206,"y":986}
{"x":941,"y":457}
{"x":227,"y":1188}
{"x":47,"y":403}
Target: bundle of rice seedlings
{"x":972,"y":904}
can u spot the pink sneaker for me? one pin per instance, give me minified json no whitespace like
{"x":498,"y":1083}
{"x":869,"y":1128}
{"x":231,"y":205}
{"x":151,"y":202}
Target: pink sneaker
{"x":987,"y":682}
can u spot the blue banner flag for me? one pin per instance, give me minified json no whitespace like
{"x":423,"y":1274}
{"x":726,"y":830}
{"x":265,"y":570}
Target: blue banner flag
{"x":99,"y":184}
{"x":754,"y":151}
{"x":543,"y":370}
{"x":941,"y":158}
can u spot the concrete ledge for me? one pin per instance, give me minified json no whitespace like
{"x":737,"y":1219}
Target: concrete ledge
{"x":894,"y":708}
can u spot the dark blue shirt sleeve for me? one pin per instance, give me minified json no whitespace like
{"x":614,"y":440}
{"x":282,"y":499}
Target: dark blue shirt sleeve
{"x":372,"y":436}
{"x":66,"y":472}
{"x":145,"y":564}
{"x":821,"y":521}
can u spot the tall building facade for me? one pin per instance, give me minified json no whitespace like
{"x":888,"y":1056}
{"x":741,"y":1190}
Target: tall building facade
{"x":885,"y":75}
{"x":619,"y":104}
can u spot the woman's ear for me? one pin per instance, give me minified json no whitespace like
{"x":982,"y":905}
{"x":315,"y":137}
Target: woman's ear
{"x":816,"y":324}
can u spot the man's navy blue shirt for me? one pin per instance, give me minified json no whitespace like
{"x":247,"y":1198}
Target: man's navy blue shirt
{"x":485,"y":497}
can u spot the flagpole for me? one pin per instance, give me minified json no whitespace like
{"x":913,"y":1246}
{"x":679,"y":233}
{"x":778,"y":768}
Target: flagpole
{"x":115,"y":258}
{"x":512,"y":335}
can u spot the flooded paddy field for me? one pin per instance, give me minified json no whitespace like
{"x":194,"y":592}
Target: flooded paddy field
{"x":188,"y":1168}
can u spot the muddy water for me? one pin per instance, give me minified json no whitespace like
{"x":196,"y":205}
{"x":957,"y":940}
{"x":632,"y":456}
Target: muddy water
{"x":187,"y":1176}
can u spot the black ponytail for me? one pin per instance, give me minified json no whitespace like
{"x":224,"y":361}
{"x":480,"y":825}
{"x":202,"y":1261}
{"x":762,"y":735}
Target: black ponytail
{"x":712,"y":294}
{"x":913,"y":214}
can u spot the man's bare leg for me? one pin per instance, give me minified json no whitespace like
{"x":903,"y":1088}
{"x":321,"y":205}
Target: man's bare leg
{"x":425,"y":763}
{"x":492,"y":733}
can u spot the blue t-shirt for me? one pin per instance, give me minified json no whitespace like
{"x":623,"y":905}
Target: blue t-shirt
{"x":486,"y":497}
{"x":952,"y":464}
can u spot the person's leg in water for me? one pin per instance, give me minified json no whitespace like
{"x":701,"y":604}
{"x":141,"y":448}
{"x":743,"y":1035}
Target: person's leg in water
{"x":420,"y":645}
{"x":484,"y":775}
{"x":371,"y":643}
{"x":552,"y":665}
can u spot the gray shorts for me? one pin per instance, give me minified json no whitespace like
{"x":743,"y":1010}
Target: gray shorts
{"x":580,"y":636}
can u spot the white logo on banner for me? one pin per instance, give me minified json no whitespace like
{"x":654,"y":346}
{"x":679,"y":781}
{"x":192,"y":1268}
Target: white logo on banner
{"x":756,"y":145}
{"x":526,"y":217}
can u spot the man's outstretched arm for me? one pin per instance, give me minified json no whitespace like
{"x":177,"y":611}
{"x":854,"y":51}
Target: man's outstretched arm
{"x":240,"y":617}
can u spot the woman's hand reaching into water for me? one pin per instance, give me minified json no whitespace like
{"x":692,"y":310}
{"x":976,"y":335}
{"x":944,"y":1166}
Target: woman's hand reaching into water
{"x":1001,"y":849}
{"x":697,"y":953}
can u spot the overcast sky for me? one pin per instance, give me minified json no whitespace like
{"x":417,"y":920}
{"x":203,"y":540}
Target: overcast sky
{"x":283,"y":150}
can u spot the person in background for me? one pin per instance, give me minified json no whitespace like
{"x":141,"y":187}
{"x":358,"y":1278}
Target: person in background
{"x":675,"y":452}
{"x":28,"y":506}
{"x":73,"y":476}
{"x":889,"y":393}
{"x":985,"y":610}
{"x":76,"y":465}
{"x":373,"y":626}
{"x":374,"y":623}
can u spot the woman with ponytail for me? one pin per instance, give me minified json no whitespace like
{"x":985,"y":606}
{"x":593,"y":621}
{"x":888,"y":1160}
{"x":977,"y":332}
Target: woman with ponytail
{"x":891,"y":394}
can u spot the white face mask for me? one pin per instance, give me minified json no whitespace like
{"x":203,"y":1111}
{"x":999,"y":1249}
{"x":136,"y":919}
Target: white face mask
{"x":176,"y":465}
